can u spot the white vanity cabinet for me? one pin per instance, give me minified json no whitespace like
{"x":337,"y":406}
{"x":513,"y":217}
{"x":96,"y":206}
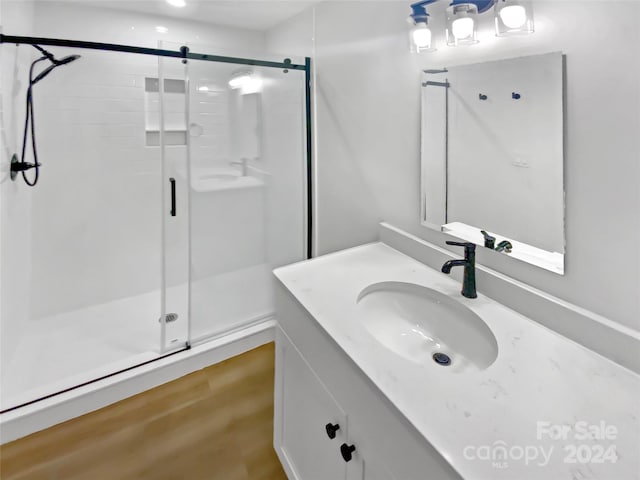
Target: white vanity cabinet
{"x":307,"y":417}
{"x":318,"y":385}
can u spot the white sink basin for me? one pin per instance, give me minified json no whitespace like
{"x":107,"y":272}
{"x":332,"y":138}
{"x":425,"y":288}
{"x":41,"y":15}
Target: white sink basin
{"x":417,"y":323}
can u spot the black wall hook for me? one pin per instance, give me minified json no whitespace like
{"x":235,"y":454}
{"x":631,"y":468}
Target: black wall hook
{"x":515,"y":96}
{"x":482,"y":96}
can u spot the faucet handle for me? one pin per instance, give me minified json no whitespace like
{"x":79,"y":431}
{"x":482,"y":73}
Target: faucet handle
{"x":489,"y":241}
{"x":462,"y":244}
{"x":469,"y":248}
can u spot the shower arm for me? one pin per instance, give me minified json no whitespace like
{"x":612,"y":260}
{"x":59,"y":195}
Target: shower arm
{"x":49,"y":55}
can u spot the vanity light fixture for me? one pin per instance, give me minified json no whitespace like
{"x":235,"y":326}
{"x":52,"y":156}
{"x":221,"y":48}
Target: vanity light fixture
{"x":421,"y":36}
{"x":177,"y":3}
{"x":512,"y":17}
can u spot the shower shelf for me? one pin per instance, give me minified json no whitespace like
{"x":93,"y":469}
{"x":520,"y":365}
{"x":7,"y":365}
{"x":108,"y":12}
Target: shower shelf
{"x":171,"y":138}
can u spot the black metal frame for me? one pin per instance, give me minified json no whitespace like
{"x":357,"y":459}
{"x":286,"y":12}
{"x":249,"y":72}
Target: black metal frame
{"x":184,"y":54}
{"x":307,"y":83}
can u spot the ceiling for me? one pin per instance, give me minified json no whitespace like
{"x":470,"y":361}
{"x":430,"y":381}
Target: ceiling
{"x":251,"y":14}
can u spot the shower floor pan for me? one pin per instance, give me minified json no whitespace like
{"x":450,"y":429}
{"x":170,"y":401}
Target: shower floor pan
{"x":60,"y":352}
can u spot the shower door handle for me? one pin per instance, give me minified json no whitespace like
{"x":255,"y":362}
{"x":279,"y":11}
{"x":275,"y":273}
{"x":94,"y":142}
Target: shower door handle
{"x":172,"y":181}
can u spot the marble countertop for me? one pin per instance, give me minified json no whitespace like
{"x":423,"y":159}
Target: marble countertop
{"x":546,"y":408}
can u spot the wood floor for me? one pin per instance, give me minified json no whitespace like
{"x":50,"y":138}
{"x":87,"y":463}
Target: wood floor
{"x":216,"y":423}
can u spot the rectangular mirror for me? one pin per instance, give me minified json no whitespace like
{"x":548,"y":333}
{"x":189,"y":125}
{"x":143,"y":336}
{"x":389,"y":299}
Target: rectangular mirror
{"x":492,"y":156}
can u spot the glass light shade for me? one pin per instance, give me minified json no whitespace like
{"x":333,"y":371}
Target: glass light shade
{"x":461,"y":24}
{"x":513,"y":17}
{"x":462,"y":27}
{"x":421,"y":38}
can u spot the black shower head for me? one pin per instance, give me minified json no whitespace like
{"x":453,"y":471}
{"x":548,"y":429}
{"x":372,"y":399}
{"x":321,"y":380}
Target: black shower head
{"x":65,"y":60}
{"x":53,"y":59}
{"x":56,"y":63}
{"x":22,"y":165}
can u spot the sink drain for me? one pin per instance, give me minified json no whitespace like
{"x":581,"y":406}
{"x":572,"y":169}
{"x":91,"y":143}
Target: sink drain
{"x":441,"y":359}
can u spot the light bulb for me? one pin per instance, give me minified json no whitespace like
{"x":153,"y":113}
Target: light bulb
{"x":253,"y":85}
{"x":239,"y":81}
{"x":422,"y":36}
{"x":513,"y":16}
{"x":461,"y":24}
{"x":462,"y":27}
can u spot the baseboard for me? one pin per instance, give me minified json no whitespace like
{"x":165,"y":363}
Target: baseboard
{"x":605,"y":337}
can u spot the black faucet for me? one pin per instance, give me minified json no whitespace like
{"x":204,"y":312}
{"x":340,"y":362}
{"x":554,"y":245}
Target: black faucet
{"x":469,"y":264}
{"x":489,"y":241}
{"x":504,"y":245}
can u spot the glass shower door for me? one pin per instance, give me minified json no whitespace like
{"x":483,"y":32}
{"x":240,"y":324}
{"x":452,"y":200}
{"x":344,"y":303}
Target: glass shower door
{"x":87,"y":283}
{"x":173,"y":115}
{"x":247,"y":150}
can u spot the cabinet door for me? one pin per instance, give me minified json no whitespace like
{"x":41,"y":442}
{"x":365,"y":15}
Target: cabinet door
{"x":303,"y":409}
{"x":375,"y":470}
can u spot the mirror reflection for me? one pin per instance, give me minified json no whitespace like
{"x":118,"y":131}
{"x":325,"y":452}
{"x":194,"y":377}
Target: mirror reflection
{"x":492,"y":156}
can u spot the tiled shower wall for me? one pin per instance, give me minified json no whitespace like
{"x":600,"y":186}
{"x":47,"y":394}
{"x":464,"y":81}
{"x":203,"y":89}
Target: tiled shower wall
{"x":96,"y":213}
{"x":97,"y":208}
{"x":90,"y":231}
{"x":15,"y":202}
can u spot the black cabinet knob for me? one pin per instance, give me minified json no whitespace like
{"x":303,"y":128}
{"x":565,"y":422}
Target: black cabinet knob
{"x":331,"y":430}
{"x":346,"y":451}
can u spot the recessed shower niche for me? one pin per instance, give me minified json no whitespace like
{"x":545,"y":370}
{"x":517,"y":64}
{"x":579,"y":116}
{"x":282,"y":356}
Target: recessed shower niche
{"x":175,"y":132}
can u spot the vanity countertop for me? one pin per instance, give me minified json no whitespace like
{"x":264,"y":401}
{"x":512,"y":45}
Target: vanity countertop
{"x":540,"y":382}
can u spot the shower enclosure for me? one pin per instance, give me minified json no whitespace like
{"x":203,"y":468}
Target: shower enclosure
{"x":171,"y":184}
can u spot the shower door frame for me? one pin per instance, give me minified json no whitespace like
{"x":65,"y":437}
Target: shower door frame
{"x":185,"y":54}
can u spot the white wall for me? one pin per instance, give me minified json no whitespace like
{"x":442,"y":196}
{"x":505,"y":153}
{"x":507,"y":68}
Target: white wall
{"x":368,"y":121}
{"x":71,"y":20}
